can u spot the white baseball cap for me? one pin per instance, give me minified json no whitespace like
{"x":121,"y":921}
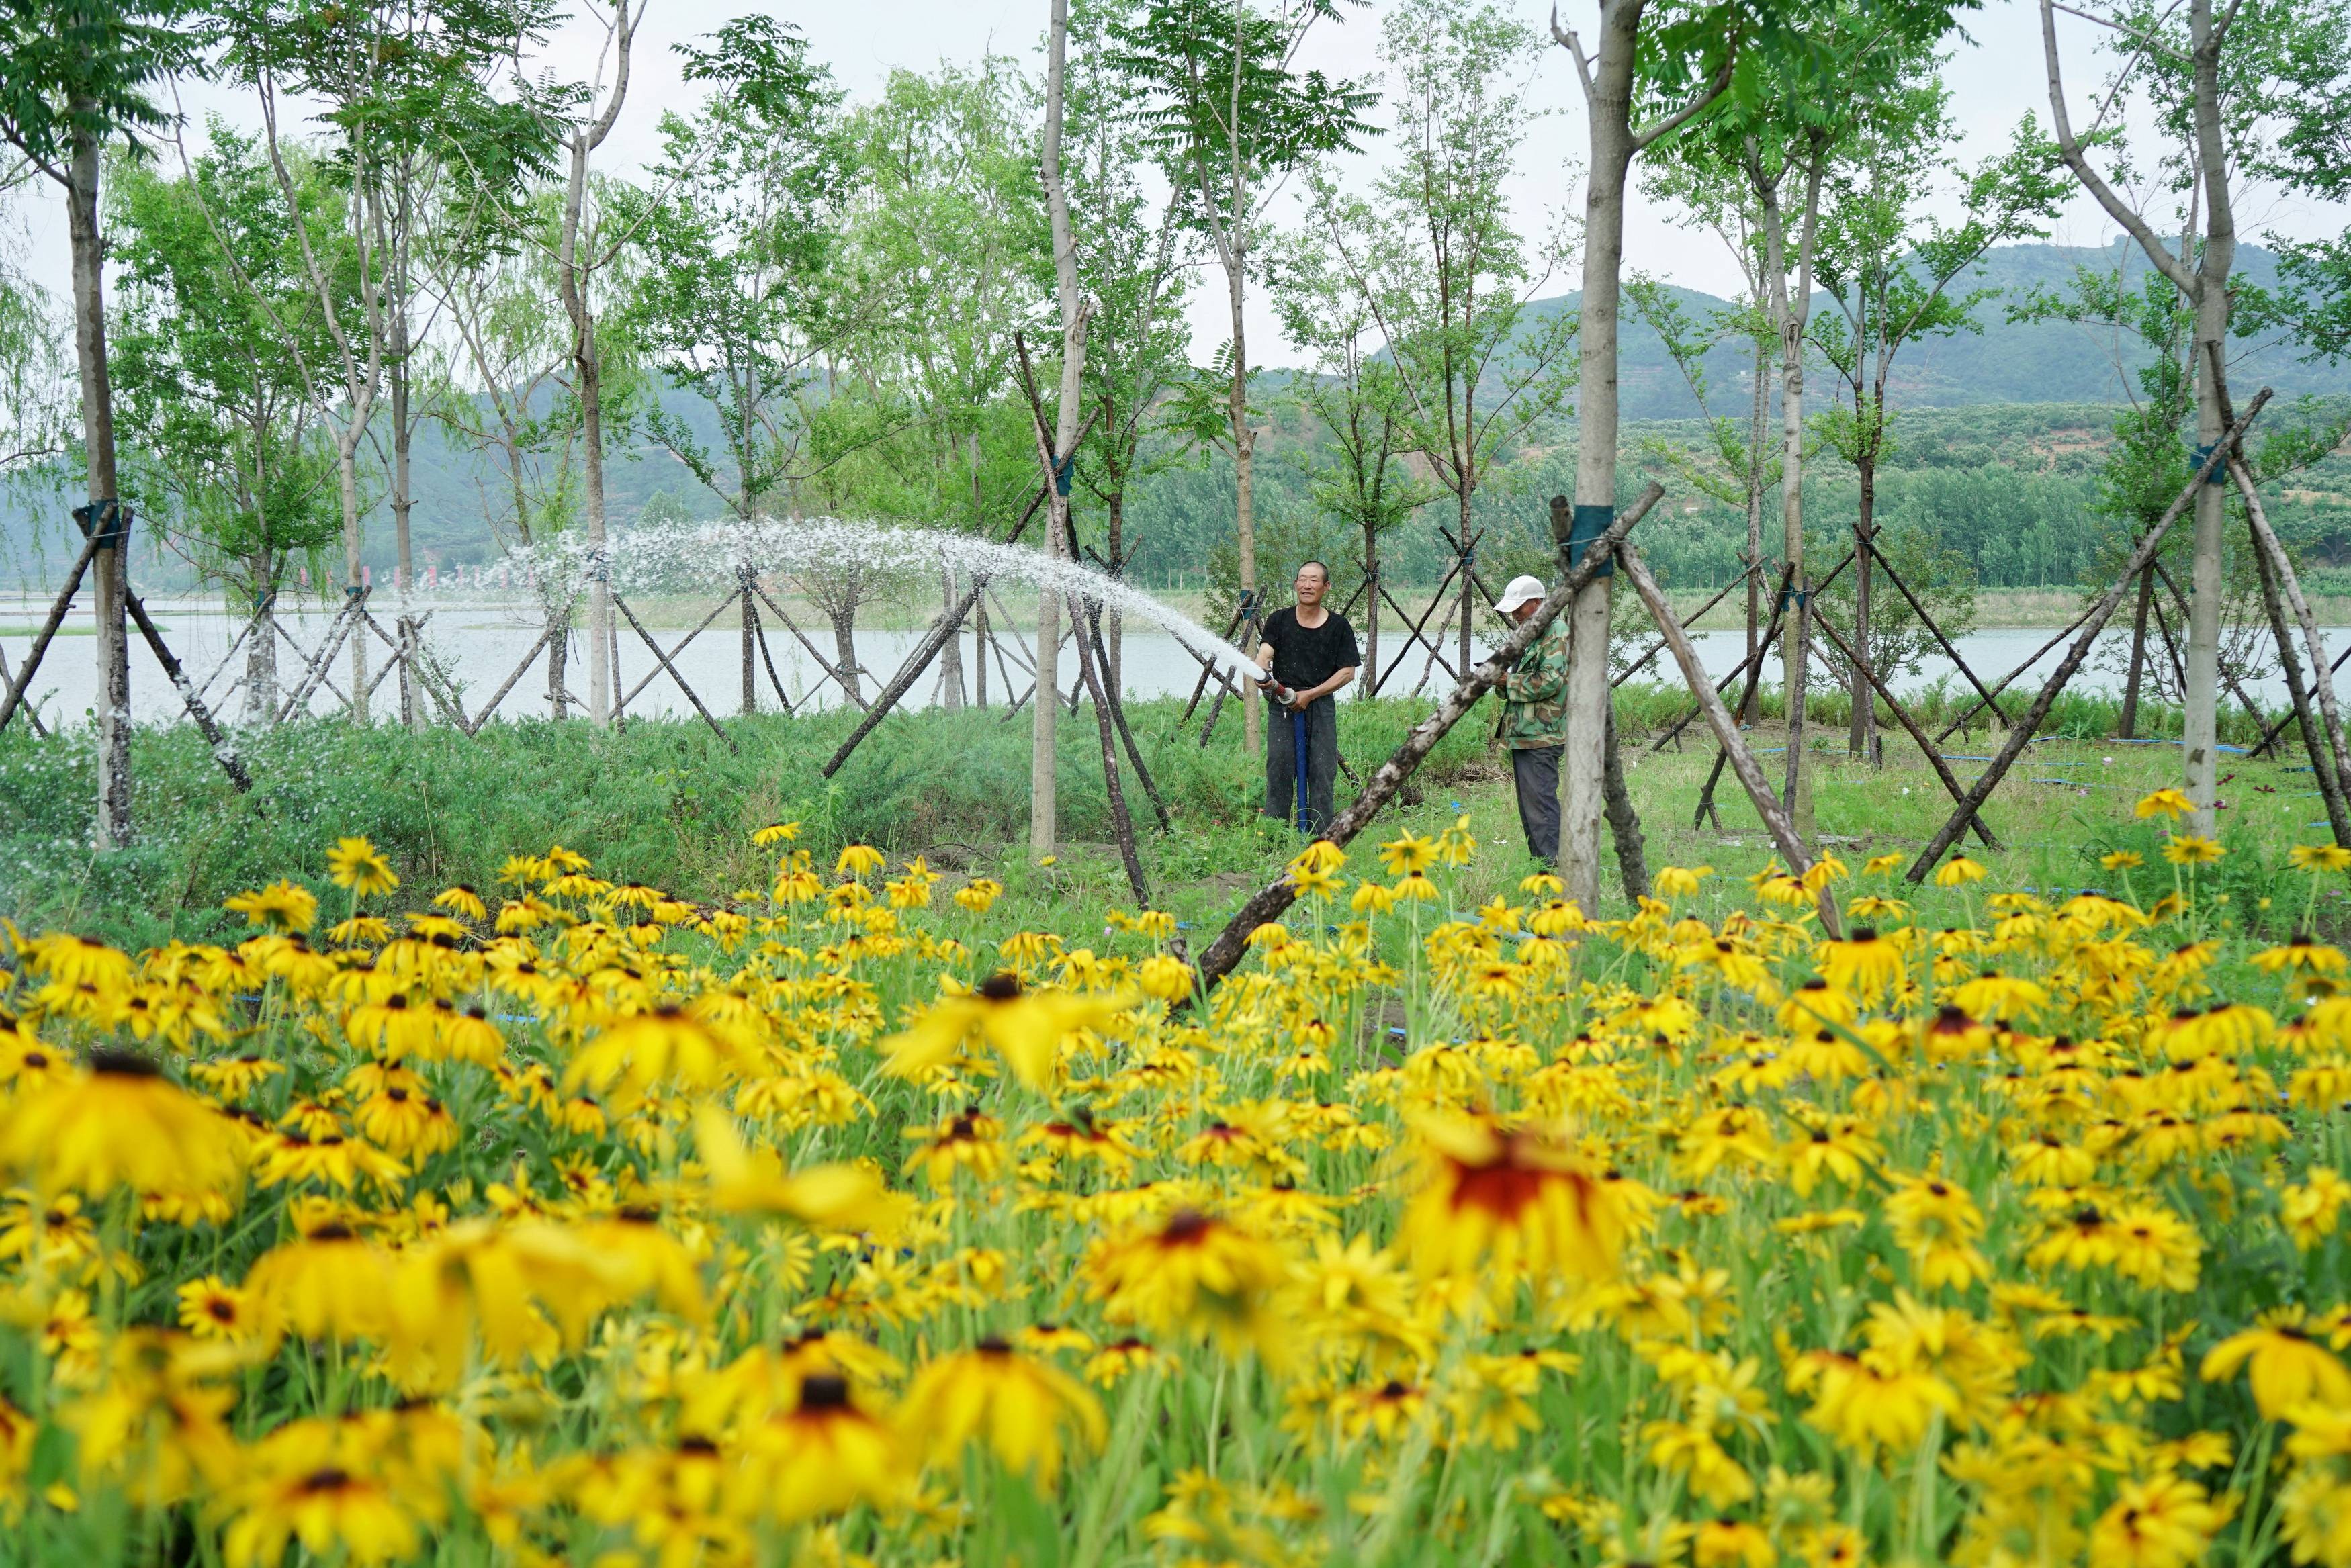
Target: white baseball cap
{"x":1519,"y":591}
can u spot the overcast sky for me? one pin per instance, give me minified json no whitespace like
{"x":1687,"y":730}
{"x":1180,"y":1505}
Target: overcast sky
{"x":1996,"y":76}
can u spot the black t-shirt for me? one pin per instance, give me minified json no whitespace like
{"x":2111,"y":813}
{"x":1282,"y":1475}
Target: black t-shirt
{"x":1308,"y":656}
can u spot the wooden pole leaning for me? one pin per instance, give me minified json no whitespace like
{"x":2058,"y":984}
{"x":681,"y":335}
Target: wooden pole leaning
{"x":911,"y":671}
{"x":650,"y":676}
{"x":1118,"y":717}
{"x":2322,"y":747}
{"x":2271,"y":734}
{"x":546,"y":636}
{"x":2007,"y":679}
{"x":224,"y":749}
{"x":22,"y":685}
{"x":1902,"y":716}
{"x":1776,"y":821}
{"x":717,"y":728}
{"x":1929,"y":622}
{"x":1689,"y":621}
{"x":338,"y":630}
{"x":821,"y":661}
{"x":1269,"y":901}
{"x":2022,"y":733}
{"x":2271,"y":554}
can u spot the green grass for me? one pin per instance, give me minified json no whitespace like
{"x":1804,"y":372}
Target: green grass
{"x":667,"y":803}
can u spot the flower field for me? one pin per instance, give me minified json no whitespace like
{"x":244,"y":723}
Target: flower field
{"x":568,"y":1222}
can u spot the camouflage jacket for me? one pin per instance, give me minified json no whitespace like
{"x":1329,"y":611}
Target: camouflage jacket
{"x":1534,"y":696}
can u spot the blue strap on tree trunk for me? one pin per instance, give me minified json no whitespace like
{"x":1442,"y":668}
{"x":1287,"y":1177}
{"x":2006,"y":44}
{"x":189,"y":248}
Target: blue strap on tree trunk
{"x":1591,"y":520}
{"x":1297,"y":760}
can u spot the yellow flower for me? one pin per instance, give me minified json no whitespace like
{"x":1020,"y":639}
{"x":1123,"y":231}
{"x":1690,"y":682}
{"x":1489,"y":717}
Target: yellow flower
{"x":1958,"y":871}
{"x":2316,"y":858}
{"x":281,"y":907}
{"x":1026,"y":1411}
{"x":2289,"y":1368}
{"x":1193,"y":1272}
{"x":2166,"y":1521}
{"x":822,"y":1456}
{"x":2122,"y":860}
{"x":1506,"y":1200}
{"x":120,"y":1123}
{"x":858,"y":859}
{"x":1408,"y":854}
{"x":359,"y":865}
{"x":311,"y":1482}
{"x":2170,"y":802}
{"x":775,"y":833}
{"x":1026,"y":1026}
{"x":1678,"y":882}
{"x":2189,"y":849}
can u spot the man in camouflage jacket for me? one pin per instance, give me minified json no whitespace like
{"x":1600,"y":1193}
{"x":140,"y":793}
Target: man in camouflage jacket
{"x":1533,"y":721}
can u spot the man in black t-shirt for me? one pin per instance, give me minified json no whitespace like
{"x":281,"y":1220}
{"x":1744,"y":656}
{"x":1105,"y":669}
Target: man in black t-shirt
{"x":1309,"y":653}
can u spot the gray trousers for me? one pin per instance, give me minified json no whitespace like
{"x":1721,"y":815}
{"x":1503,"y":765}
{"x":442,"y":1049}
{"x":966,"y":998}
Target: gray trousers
{"x":1281,"y":770}
{"x":1536,"y":773}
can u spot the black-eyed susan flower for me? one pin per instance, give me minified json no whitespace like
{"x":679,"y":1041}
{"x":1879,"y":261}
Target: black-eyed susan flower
{"x":118,"y":1124}
{"x":2288,"y":1366}
{"x":1515,"y":1199}
{"x":1026,"y":1026}
{"x":1193,"y":1273}
{"x":1027,"y":1412}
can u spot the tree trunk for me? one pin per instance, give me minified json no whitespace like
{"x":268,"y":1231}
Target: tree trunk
{"x":113,"y":824}
{"x":750,"y":602}
{"x":979,"y":652}
{"x":558,"y":656}
{"x":261,"y":644}
{"x":1609,"y":103}
{"x":1468,"y":577}
{"x":1115,"y":618}
{"x":951,"y":653}
{"x":2201,"y":698}
{"x":1791,"y":310}
{"x":843,"y":613}
{"x":411,"y":708}
{"x":2128,"y":729}
{"x":1861,"y":732}
{"x":1043,"y":825}
{"x":1371,"y":675}
{"x":572,"y":283}
{"x":1753,"y":707}
{"x":346,"y":484}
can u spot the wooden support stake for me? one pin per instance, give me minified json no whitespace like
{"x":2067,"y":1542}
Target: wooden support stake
{"x":1753,"y":668}
{"x":1929,"y":622}
{"x":1207,"y":668}
{"x":338,"y":630}
{"x":1412,"y":627}
{"x":1902,"y":716}
{"x":23,"y":684}
{"x":1623,"y":822}
{"x":1725,"y":735}
{"x":499,"y":696}
{"x":2022,"y":732}
{"x":2236,"y":688}
{"x":2271,"y":552}
{"x":1118,"y":717}
{"x":821,"y":662}
{"x":2319,"y":741}
{"x":1689,"y":621}
{"x":224,"y":749}
{"x":646,"y":636}
{"x":1269,"y":901}
{"x":651,"y":675}
{"x":2003,"y":683}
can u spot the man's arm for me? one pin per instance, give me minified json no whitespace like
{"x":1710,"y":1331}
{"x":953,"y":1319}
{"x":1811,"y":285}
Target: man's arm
{"x":1338,"y":679}
{"x":1539,"y":676}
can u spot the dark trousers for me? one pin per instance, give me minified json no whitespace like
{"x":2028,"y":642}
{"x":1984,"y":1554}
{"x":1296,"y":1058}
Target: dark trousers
{"x":1282,"y":735}
{"x":1536,"y":773}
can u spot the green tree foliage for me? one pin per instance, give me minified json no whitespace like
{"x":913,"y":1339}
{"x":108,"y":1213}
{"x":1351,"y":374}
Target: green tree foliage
{"x":221,"y":446}
{"x":741,"y":290}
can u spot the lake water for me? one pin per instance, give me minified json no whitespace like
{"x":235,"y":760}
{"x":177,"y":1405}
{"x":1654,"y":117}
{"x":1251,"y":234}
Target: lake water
{"x":482,"y":642}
